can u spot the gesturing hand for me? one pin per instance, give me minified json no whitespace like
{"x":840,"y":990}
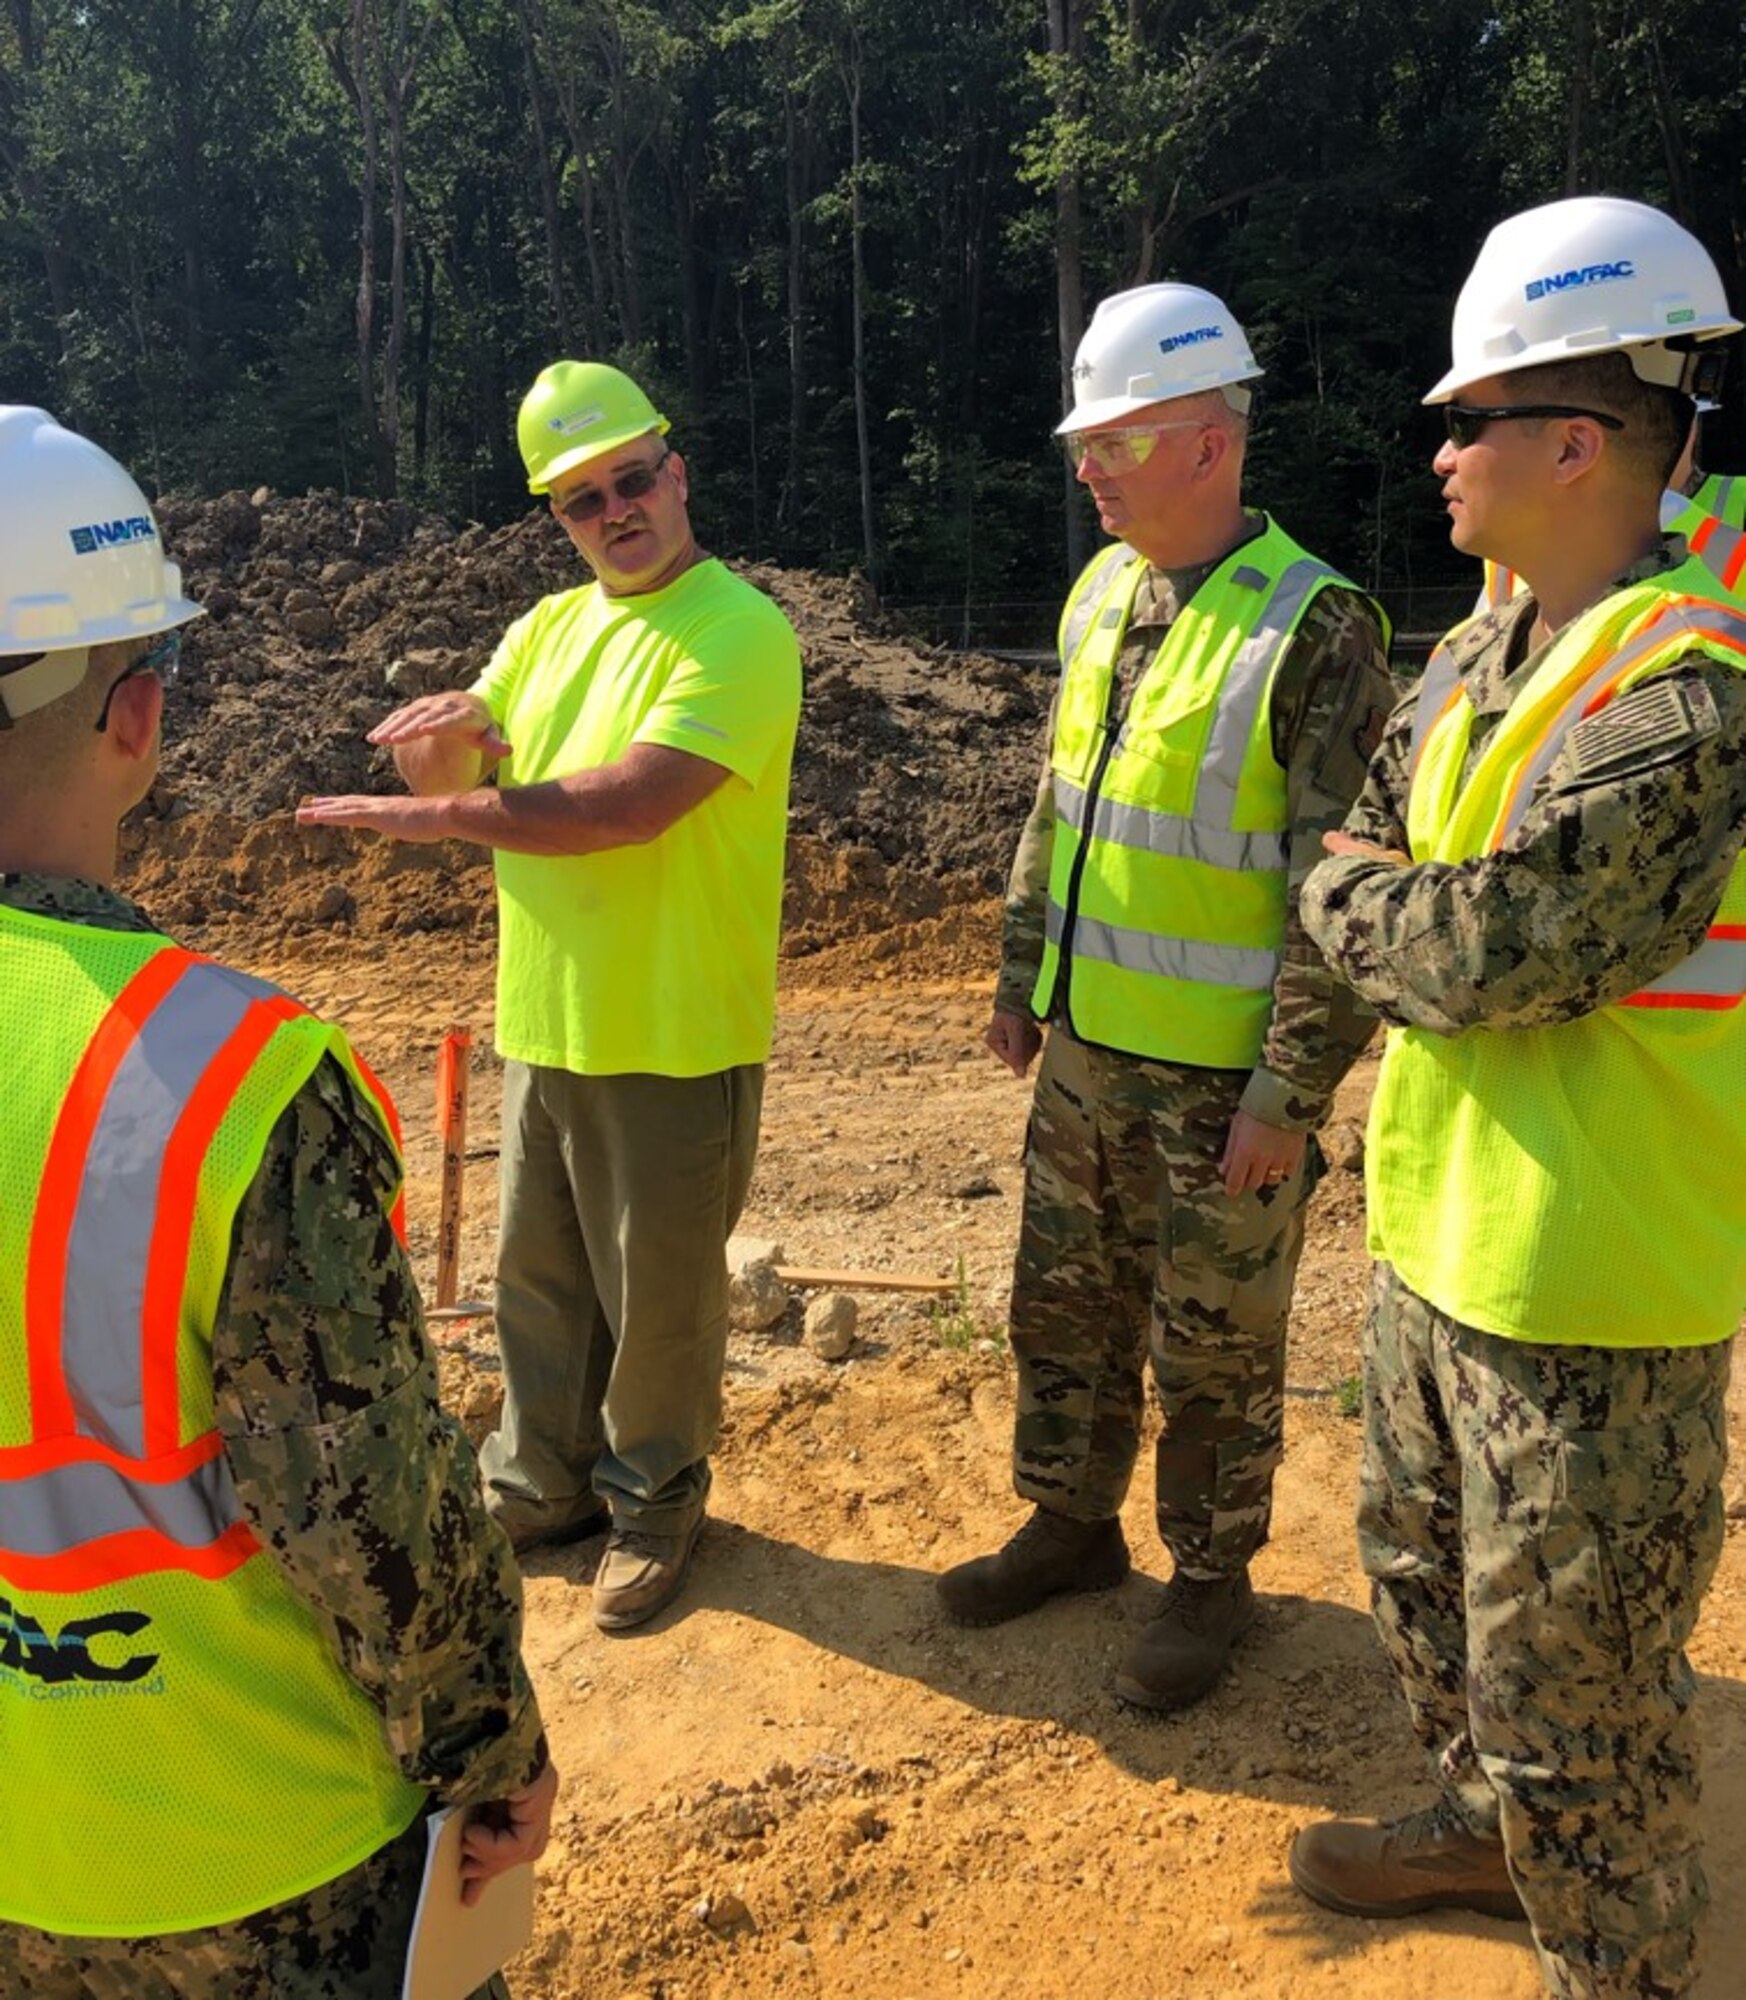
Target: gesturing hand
{"x":451,"y":713}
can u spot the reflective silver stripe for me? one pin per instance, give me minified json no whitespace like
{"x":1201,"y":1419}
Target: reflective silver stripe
{"x":1169,"y":834}
{"x":1245,"y":689}
{"x":1717,"y":969}
{"x":1656,"y":639}
{"x":117,"y":1205}
{"x":1436,"y":684}
{"x":1718,"y":550}
{"x":1085,"y":605}
{"x":51,"y":1512}
{"x":1166,"y":957}
{"x":1724,"y":493}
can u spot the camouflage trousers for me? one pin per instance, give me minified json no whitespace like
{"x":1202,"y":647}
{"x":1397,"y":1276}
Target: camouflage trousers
{"x":1539,"y":1525}
{"x":1130,"y":1248}
{"x":344,"y":1941}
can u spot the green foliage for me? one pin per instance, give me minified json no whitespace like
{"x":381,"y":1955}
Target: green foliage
{"x":669,"y":183}
{"x":954,"y":1320}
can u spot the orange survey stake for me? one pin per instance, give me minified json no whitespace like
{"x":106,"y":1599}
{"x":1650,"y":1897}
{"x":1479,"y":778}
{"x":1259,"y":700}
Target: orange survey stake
{"x":454,"y":1066}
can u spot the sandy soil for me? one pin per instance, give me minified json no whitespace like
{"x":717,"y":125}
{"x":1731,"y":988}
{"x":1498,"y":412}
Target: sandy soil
{"x":802,"y":1780}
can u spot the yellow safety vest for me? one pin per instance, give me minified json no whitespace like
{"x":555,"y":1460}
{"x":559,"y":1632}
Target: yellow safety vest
{"x":1711,"y":521}
{"x":1584,"y":1183}
{"x":178,"y":1744}
{"x":1722,"y":494}
{"x":1167,"y":879}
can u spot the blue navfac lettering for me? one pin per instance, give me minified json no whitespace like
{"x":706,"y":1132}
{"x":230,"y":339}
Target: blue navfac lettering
{"x":1590,"y":274}
{"x":112,"y":534}
{"x":1191,"y":339}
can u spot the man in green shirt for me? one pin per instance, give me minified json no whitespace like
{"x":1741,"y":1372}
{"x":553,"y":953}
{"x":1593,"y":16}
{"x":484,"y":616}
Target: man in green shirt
{"x":626,"y":754}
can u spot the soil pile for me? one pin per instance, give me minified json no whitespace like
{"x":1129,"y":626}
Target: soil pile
{"x":912,"y":775}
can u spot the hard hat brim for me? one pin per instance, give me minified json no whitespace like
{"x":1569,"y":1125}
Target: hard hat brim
{"x":1111,"y":409}
{"x":1457,"y":379}
{"x":594,"y":448}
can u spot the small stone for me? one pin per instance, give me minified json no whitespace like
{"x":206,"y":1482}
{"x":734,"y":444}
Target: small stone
{"x":724,"y":1910}
{"x":1219,"y":1937}
{"x":1342,"y":1144}
{"x":977,"y":1188}
{"x":757,"y":1298}
{"x":333,"y":903}
{"x":744,"y":1250}
{"x":830,"y":1325}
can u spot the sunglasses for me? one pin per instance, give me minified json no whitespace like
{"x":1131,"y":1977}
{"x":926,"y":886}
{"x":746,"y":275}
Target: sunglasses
{"x":1122,"y":450}
{"x":162,"y":657}
{"x":590,"y":503}
{"x":1467,"y":420}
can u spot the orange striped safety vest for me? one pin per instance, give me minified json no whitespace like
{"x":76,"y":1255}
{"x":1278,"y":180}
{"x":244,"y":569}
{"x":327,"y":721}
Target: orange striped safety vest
{"x":178,"y":1743}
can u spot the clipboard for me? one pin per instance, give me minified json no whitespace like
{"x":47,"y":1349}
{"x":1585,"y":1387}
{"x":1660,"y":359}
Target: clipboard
{"x":454,"y":1949}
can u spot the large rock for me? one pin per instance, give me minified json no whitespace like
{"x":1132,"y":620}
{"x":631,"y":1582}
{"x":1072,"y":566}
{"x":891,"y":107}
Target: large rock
{"x":757,"y":1298}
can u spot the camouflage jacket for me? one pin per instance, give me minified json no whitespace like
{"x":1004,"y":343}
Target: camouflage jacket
{"x":364,"y":1491}
{"x":1331,"y":695}
{"x":1612,"y":878}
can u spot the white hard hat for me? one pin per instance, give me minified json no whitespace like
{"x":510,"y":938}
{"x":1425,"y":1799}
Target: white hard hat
{"x":1151,"y":345}
{"x":1594,"y":275}
{"x":81,"y":564}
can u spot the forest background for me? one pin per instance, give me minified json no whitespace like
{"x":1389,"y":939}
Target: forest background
{"x":847,"y":244}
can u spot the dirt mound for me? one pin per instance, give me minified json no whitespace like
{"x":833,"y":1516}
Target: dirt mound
{"x":212,"y":878}
{"x":325,"y":611}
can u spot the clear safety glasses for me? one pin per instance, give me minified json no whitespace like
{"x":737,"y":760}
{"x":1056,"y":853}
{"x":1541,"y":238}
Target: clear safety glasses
{"x":1123,"y":448}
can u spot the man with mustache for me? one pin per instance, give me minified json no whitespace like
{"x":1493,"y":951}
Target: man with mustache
{"x":626,"y":755}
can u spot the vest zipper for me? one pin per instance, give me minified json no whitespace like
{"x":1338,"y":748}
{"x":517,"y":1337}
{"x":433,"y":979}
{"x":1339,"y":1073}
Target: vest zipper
{"x":1061,"y":999}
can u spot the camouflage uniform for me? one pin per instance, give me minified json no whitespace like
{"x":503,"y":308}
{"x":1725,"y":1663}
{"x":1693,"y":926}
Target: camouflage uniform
{"x":344,"y":1941}
{"x":1540,"y":1521}
{"x":1129,"y":1243}
{"x":367,"y":1495}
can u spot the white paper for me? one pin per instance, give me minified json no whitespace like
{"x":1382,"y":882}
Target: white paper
{"x":455,"y":1948}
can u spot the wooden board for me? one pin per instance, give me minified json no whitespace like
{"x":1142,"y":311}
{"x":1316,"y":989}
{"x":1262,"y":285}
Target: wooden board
{"x":862,"y":1281}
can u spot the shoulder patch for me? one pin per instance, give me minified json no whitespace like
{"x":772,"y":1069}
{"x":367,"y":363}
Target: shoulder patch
{"x":1645,"y":726}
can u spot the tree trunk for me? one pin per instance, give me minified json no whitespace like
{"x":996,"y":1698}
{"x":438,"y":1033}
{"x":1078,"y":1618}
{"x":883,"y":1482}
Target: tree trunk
{"x":1067,"y":46}
{"x":788,"y":506}
{"x":858,"y":307}
{"x":421,"y":363}
{"x":542,"y":151}
{"x":362,"y":69}
{"x":1576,"y":99}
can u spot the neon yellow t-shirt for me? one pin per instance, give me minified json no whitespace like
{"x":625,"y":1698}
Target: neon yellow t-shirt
{"x":659,"y":957}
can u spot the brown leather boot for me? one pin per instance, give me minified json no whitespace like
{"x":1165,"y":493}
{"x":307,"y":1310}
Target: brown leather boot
{"x":1180,"y":1654}
{"x":1427,"y":1861}
{"x":640,"y":1574}
{"x":1048,"y":1557}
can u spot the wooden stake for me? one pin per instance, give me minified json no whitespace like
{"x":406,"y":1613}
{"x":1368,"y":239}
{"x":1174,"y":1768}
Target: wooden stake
{"x":454,"y":1065}
{"x":863,"y":1281}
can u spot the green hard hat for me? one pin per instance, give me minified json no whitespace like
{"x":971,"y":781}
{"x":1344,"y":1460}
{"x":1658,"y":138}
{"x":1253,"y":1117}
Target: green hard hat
{"x":575,"y":411}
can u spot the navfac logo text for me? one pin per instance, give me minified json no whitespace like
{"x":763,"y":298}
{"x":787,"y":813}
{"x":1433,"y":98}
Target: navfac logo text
{"x":27,"y":1648}
{"x":1190,"y":339}
{"x":1590,"y":274}
{"x":111,"y":534}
